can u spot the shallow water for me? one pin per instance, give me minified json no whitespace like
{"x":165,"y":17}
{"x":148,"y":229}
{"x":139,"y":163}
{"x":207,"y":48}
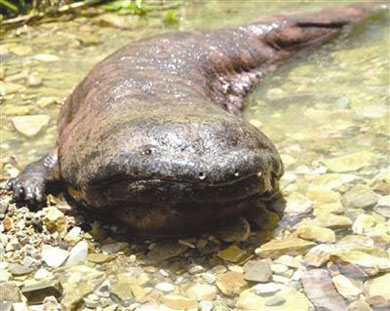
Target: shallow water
{"x":326,"y":110}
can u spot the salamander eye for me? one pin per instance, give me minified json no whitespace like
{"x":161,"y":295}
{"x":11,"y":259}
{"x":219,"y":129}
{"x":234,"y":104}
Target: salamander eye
{"x":202,"y":176}
{"x":236,"y":173}
{"x":147,"y":151}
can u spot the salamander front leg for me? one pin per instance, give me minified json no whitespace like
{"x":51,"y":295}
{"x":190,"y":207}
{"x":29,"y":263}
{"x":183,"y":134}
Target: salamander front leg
{"x":30,"y":184}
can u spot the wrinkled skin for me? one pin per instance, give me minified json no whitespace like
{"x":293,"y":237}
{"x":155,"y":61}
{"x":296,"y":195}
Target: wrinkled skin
{"x":154,"y":134}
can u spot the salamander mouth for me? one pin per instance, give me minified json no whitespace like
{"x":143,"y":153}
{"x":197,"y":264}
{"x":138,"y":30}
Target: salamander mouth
{"x":124,"y":190}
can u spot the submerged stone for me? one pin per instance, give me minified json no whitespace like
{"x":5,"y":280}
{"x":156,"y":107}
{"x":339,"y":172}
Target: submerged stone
{"x":30,"y":125}
{"x":318,"y":286}
{"x":378,"y":293}
{"x":290,"y":246}
{"x":257,"y":271}
{"x":37,"y":292}
{"x":231,"y":283}
{"x":316,"y":233}
{"x":350,"y":162}
{"x":360,"y":197}
{"x":233,"y":254}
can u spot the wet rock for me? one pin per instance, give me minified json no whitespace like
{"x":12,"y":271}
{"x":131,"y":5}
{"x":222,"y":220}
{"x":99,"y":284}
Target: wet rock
{"x":293,"y":301}
{"x":165,"y":287}
{"x":316,"y":233}
{"x":8,"y":223}
{"x":377,"y":290}
{"x":231,"y":283}
{"x":10,"y":88}
{"x":319,"y":288}
{"x":333,"y":222}
{"x":359,"y":305}
{"x":20,"y":270}
{"x":360,"y":197}
{"x":73,"y":298}
{"x":100,"y":258}
{"x":78,"y":255}
{"x":36,"y":293}
{"x":266,"y":289}
{"x":371,"y":259}
{"x":9,"y":292}
{"x":346,"y":287}
{"x":233,"y":254}
{"x":54,"y":256}
{"x":236,"y":231}
{"x":331,"y":181}
{"x":326,"y":202}
{"x":47,"y":58}
{"x":257,"y":271}
{"x":6,"y":306}
{"x":164,"y":250}
{"x":362,"y":223}
{"x":114,"y":20}
{"x":297,"y":204}
{"x":34,"y":80}
{"x":383,"y":206}
{"x":179,"y":302}
{"x":350,"y":162}
{"x":122,"y":287}
{"x":30,"y":125}
{"x":113,"y":248}
{"x":43,"y":274}
{"x":318,"y":255}
{"x":202,"y":292}
{"x":275,"y":301}
{"x":291,"y":246}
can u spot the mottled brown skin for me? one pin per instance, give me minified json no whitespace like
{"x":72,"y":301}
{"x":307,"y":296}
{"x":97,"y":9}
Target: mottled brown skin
{"x":154,"y":135}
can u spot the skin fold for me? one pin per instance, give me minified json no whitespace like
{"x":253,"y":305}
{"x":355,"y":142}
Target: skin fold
{"x":154,"y":136}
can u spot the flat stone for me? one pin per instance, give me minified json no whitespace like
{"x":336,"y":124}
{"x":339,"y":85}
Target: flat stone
{"x":20,"y":270}
{"x":360,"y":197}
{"x":54,"y":256}
{"x":346,"y":287}
{"x":318,"y":255}
{"x":100,"y":258}
{"x":55,"y":220}
{"x":298,"y":204}
{"x":350,"y":162}
{"x":383,"y":206}
{"x":294,"y":301}
{"x":231,"y":283}
{"x":37,"y":292}
{"x":202,"y":292}
{"x":331,"y":181}
{"x":326,"y":201}
{"x":30,"y":125}
{"x":257,"y":271}
{"x":319,"y":288}
{"x":178,"y":302}
{"x":164,"y":250}
{"x":78,"y":254}
{"x":266,"y":289}
{"x":73,"y":298}
{"x":371,"y":259}
{"x":275,"y":301}
{"x":47,"y":58}
{"x":316,"y":233}
{"x":359,"y":305}
{"x":291,"y":246}
{"x":122,"y":287}
{"x":43,"y":274}
{"x":236,"y":231}
{"x":333,"y":222}
{"x":6,"y":306}
{"x":165,"y":287}
{"x":9,"y":292}
{"x":233,"y":254}
{"x":113,"y":248}
{"x":363,"y":223}
{"x":377,"y":290}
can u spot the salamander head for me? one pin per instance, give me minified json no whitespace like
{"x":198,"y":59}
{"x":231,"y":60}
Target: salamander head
{"x":183,"y":162}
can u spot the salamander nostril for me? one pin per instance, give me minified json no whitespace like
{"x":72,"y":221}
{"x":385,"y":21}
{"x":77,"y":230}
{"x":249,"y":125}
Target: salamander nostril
{"x":202,"y":176}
